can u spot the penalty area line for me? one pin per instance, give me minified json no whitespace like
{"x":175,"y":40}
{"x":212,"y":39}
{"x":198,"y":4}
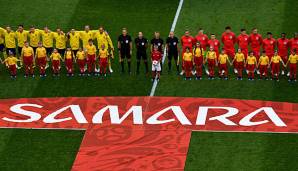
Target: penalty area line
{"x":165,"y":52}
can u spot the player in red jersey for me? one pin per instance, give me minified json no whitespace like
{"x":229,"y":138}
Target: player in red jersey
{"x":242,"y":41}
{"x":269,"y":45}
{"x":187,"y":41}
{"x":213,"y":42}
{"x":294,"y":43}
{"x":156,"y":66}
{"x":255,"y":40}
{"x":228,"y":38}
{"x":282,"y":46}
{"x":202,"y":38}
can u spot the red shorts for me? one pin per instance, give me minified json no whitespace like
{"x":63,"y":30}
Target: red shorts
{"x":251,"y":67}
{"x":188,"y":65}
{"x":68,"y":63}
{"x":28,"y":60}
{"x":211,"y":62}
{"x":223,"y":67}
{"x":103,"y":62}
{"x":41,"y":61}
{"x":91,"y":58}
{"x":256,"y":51}
{"x":239,"y":65}
{"x":245,"y":52}
{"x":230,"y":52}
{"x":56,"y":64}
{"x":198,"y":60}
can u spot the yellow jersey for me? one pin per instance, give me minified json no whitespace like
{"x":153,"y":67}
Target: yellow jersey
{"x":41,"y":52}
{"x":293,"y":59}
{"x":47,"y":38}
{"x":187,"y":56}
{"x":91,"y":50}
{"x":103,"y":53}
{"x":68,"y":55}
{"x":198,"y":52}
{"x":80,"y":55}
{"x":275,"y":59}
{"x":251,"y":60}
{"x":74,"y":40}
{"x":85,"y":36}
{"x":2,"y":35}
{"x":55,"y":56}
{"x":27,"y":51}
{"x":34,"y":38}
{"x":223,"y":58}
{"x":103,"y":39}
{"x":10,"y":39}
{"x":239,"y":57}
{"x":11,"y":60}
{"x":60,"y":41}
{"x":211,"y":55}
{"x":264,"y":60}
{"x":22,"y":37}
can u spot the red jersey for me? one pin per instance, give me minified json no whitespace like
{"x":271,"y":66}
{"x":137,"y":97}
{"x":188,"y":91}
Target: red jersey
{"x":294,"y":44}
{"x":214,"y":43}
{"x":269,"y":44}
{"x":156,"y":56}
{"x":242,"y":41}
{"x":255,"y":41}
{"x":187,"y":41}
{"x":283,"y":45}
{"x":203,"y":39}
{"x":229,"y":40}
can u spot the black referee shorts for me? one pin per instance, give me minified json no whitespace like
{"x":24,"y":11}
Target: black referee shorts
{"x":125,"y":54}
{"x":49,"y":50}
{"x":2,"y":47}
{"x":172,"y":54}
{"x":141,"y":55}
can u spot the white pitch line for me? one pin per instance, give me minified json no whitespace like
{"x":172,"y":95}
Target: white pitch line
{"x":165,"y":52}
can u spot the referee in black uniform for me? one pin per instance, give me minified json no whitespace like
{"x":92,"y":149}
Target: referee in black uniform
{"x":141,"y":45}
{"x":125,"y":49}
{"x":157,"y":41}
{"x":172,"y":51}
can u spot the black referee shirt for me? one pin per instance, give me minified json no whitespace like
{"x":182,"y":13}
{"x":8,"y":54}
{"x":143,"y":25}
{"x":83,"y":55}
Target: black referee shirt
{"x":124,"y":42}
{"x":141,"y":44}
{"x":157,"y":42}
{"x":172,"y":43}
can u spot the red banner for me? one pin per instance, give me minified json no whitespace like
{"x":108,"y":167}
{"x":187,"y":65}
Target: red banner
{"x":144,"y":133}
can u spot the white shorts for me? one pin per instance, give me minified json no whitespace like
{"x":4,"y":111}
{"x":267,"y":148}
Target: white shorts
{"x":156,"y":67}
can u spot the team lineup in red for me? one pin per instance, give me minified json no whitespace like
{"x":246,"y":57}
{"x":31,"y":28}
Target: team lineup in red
{"x":255,"y":54}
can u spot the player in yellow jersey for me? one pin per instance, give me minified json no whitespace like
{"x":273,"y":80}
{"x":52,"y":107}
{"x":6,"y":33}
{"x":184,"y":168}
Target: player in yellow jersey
{"x":251,"y":64}
{"x":211,"y":58}
{"x":10,"y":40}
{"x":56,"y":59}
{"x":238,"y":62}
{"x":27,"y":55}
{"x":103,"y":60}
{"x":34,"y":37}
{"x":188,"y":63}
{"x":275,"y":65}
{"x":223,"y":64}
{"x":293,"y":59}
{"x":69,"y":58}
{"x":263,"y":65}
{"x":22,"y":37}
{"x":60,"y":39}
{"x":81,"y":61}
{"x":74,"y":40}
{"x":86,"y":35}
{"x":47,"y":37}
{"x":103,"y":38}
{"x":41,"y":58}
{"x":11,"y":63}
{"x":198,"y":53}
{"x":2,"y":46}
{"x":91,"y":57}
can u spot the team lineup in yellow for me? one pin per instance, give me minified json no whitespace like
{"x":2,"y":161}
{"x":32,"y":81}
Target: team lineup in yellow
{"x":37,"y":47}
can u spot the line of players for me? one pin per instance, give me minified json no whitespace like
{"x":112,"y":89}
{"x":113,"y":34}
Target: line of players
{"x":36,"y":48}
{"x":228,"y":38}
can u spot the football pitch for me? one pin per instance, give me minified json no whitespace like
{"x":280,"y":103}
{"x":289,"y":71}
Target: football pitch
{"x":56,"y":150}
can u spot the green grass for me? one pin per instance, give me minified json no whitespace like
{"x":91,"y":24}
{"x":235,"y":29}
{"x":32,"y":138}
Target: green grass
{"x":242,"y":151}
{"x":38,"y":149}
